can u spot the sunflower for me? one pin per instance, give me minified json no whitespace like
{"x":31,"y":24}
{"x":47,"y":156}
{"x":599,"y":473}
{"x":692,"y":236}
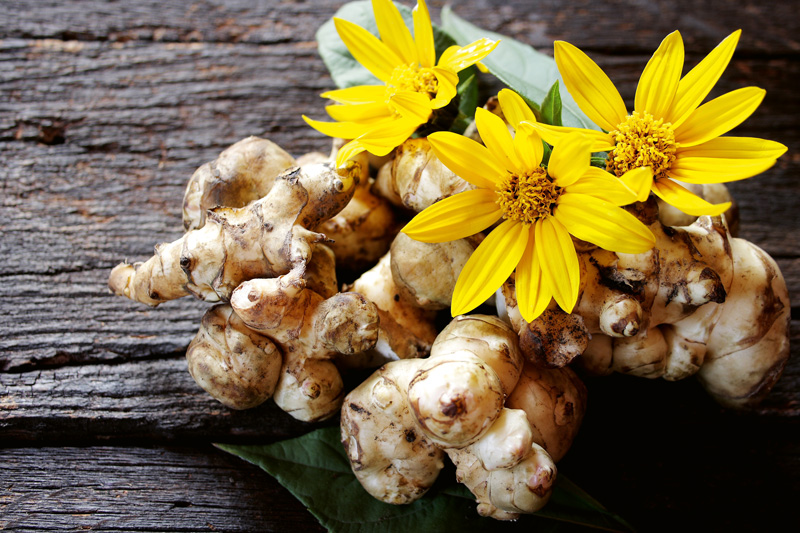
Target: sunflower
{"x":540,"y":208}
{"x":667,"y":131}
{"x":380,"y":117}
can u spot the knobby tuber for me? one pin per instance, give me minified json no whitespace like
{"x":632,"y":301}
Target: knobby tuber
{"x":243,"y":173}
{"x":309,"y":330}
{"x":698,"y":298}
{"x":266,"y":238}
{"x":406,"y":330}
{"x":236,"y":365}
{"x":416,"y":179}
{"x":395,"y":425}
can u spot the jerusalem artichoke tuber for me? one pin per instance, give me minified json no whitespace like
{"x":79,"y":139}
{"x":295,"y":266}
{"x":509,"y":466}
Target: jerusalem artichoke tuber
{"x":454,"y":401}
{"x":268,"y":238}
{"x":698,"y":298}
{"x":309,"y":330}
{"x":243,"y":173}
{"x":233,"y":363}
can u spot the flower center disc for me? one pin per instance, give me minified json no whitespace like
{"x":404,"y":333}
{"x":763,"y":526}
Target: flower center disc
{"x":641,"y":141}
{"x":412,"y":78}
{"x":529,"y":197}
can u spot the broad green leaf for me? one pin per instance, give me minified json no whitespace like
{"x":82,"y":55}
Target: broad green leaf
{"x":519,"y":66}
{"x":316,"y":471}
{"x":551,"y":106}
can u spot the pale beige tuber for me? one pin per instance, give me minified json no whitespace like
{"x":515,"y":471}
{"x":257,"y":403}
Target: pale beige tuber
{"x":267,"y":238}
{"x":698,"y":298}
{"x":454,"y":401}
{"x":236,"y":365}
{"x":406,"y":330}
{"x":309,"y":330}
{"x":243,"y":173}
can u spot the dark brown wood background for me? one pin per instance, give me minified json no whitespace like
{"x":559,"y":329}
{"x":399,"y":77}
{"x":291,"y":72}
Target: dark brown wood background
{"x":106,"y":108}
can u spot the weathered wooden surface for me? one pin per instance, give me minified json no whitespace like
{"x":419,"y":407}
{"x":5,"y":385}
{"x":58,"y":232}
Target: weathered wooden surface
{"x":106,"y":108}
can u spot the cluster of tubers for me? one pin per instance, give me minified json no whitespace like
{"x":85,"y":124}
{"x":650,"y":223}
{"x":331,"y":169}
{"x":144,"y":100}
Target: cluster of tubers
{"x":267,"y":235}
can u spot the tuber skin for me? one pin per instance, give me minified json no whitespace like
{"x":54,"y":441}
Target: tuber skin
{"x":406,"y":330}
{"x":441,"y":403}
{"x":416,"y":178}
{"x":363,"y":231}
{"x":309,"y":330}
{"x":236,"y":365}
{"x":267,"y":238}
{"x":554,"y":400}
{"x":698,"y":298}
{"x":390,"y":456}
{"x":243,"y":173}
{"x":429,"y":282}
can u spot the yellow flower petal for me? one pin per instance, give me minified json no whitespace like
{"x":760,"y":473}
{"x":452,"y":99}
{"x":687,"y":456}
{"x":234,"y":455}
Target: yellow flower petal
{"x":640,"y":181}
{"x":423,"y":35}
{"x":470,"y":160}
{"x":533,"y":295}
{"x":367,"y":49}
{"x":660,"y":78}
{"x":717,"y":169}
{"x":686,"y":201}
{"x":393,"y":30}
{"x":458,"y":58}
{"x":455,"y":217}
{"x":735,"y":148}
{"x":602,"y":223}
{"x":529,"y":148}
{"x":696,"y":85}
{"x":590,"y":87}
{"x":601,"y":184}
{"x":570,"y":159}
{"x":383,"y":139}
{"x":412,"y":105}
{"x":719,"y":116}
{"x":553,"y":135}
{"x":514,"y":107}
{"x":559,"y":261}
{"x":363,"y":113}
{"x":360,"y":94}
{"x":489,"y":266}
{"x":343,"y":130}
{"x":497,"y":138}
{"x":448,"y":81}
{"x":347,"y":152}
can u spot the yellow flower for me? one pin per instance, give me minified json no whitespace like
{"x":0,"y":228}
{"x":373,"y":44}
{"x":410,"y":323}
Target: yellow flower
{"x":540,"y":209}
{"x":380,"y":117}
{"x":667,"y":131}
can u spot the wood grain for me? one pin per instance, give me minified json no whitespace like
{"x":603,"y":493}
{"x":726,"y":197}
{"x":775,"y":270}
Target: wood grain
{"x":141,"y":489}
{"x":106,"y":108}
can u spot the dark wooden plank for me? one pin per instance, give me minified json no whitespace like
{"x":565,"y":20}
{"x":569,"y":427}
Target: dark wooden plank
{"x":619,"y":25}
{"x":146,"y":399}
{"x":141,"y":489}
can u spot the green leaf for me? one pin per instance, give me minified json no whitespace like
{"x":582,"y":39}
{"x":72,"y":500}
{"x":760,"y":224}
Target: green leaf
{"x":316,"y":471}
{"x":551,"y":106}
{"x":519,"y":66}
{"x":344,"y":69}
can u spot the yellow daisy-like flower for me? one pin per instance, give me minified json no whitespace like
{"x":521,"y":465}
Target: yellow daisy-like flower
{"x":540,"y":209}
{"x":667,"y":131}
{"x":380,"y":117}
